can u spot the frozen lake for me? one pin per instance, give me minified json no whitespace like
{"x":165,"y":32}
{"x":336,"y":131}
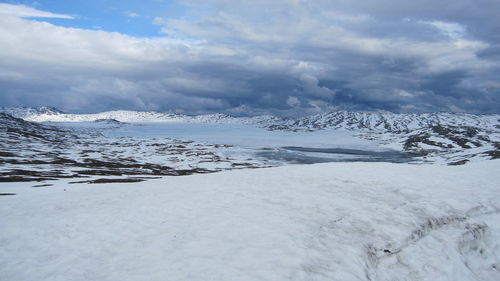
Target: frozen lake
{"x":291,"y":147}
{"x":246,"y":136}
{"x":281,"y":146}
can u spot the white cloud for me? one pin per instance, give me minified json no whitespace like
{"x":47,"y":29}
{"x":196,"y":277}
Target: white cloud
{"x":250,"y":57}
{"x":159,"y":21}
{"x":293,"y":101}
{"x":132,"y":15}
{"x":306,"y":27}
{"x":451,"y":29}
{"x":403,"y":93}
{"x":23,"y":11}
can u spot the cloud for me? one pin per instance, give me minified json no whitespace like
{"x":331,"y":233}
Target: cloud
{"x":159,"y":21}
{"x":132,"y":15}
{"x":286,"y":57}
{"x":293,"y":101}
{"x":450,"y":29}
{"x":23,"y":11}
{"x":362,"y":53}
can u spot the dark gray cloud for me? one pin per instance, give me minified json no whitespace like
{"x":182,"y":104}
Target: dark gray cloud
{"x":286,"y":57}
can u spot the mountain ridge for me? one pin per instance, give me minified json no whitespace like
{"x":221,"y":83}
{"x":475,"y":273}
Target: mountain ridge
{"x":340,"y":120}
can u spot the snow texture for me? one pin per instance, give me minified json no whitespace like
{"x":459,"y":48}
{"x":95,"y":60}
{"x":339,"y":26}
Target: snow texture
{"x":334,"y":221}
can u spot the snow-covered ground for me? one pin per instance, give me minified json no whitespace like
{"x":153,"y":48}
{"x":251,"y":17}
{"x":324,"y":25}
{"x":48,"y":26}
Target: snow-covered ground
{"x":334,"y":221}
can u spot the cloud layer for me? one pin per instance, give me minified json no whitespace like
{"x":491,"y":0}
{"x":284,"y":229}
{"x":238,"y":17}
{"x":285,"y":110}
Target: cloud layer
{"x":23,"y":11}
{"x":287,"y":57}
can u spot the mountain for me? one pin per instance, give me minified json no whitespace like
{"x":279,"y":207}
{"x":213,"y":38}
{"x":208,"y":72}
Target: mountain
{"x":47,"y":114}
{"x":28,"y":112}
{"x":385,"y":121}
{"x":15,"y":130}
{"x":340,"y":120}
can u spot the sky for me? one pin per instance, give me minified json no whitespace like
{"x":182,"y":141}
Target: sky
{"x":243,"y":58}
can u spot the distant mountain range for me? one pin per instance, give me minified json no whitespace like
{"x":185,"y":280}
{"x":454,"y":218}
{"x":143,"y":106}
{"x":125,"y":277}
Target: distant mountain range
{"x":346,"y":120}
{"x":387,"y":122}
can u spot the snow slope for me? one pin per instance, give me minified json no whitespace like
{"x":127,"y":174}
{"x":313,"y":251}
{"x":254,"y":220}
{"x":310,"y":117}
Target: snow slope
{"x":349,"y":221}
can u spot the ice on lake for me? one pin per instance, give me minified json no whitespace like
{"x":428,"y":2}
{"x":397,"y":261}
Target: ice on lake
{"x":295,"y":147}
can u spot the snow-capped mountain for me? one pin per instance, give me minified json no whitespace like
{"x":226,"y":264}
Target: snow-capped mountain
{"x":50,"y":114}
{"x":119,"y":115}
{"x":46,"y":114}
{"x":28,"y":112}
{"x":346,"y":120}
{"x":386,"y":121}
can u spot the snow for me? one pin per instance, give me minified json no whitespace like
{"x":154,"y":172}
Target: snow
{"x":390,"y":122}
{"x":346,"y":120}
{"x":247,"y":136}
{"x":240,"y":141}
{"x":27,"y":112}
{"x":333,"y":221}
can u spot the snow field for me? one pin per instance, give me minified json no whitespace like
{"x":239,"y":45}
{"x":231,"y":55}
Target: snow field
{"x":334,"y":221}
